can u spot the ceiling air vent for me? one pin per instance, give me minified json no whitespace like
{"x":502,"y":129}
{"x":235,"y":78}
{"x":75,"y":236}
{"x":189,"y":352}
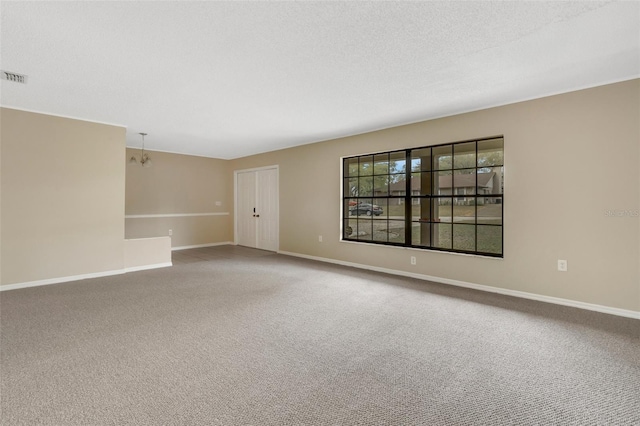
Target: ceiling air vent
{"x":12,"y":76}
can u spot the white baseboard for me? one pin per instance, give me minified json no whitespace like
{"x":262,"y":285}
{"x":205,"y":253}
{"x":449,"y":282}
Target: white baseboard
{"x":147,"y":267}
{"x":481,"y":287}
{"x":61,"y":279}
{"x":224,"y":243}
{"x":38,"y":283}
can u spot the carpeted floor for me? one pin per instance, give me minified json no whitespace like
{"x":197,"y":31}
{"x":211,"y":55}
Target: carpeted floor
{"x":233,"y":336}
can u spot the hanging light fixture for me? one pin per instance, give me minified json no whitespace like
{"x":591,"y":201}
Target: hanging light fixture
{"x":145,"y":160}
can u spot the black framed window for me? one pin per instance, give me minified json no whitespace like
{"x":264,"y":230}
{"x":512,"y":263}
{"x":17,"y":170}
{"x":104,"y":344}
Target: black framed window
{"x":446,"y":197}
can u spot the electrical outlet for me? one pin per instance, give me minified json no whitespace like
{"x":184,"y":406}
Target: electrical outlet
{"x":218,"y":203}
{"x":320,"y":238}
{"x":413,"y":260}
{"x":562,"y":265}
{"x":170,"y":232}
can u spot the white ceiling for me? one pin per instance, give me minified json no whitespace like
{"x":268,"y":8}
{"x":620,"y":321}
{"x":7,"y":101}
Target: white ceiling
{"x":229,"y":79}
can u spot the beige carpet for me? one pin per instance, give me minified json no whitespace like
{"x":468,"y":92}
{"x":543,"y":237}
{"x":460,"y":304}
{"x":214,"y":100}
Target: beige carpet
{"x":233,"y":336}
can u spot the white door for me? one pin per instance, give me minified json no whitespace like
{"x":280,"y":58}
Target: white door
{"x":245,"y":210}
{"x":267,"y":209}
{"x":257,"y":208}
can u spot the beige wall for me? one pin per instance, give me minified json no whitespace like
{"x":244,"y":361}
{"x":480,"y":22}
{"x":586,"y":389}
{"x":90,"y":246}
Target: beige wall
{"x":147,"y":253}
{"x":569,"y":158}
{"x":179,"y":185}
{"x":62,"y":197}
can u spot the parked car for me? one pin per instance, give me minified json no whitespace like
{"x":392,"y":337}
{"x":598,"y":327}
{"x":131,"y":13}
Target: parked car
{"x":365,"y":208}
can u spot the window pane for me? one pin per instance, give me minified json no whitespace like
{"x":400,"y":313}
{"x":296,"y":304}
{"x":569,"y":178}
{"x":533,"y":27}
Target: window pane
{"x":464,"y":182}
{"x":443,"y":184}
{"x":380,"y":209}
{"x":489,"y":239}
{"x":421,"y":160}
{"x":365,"y":228}
{"x":395,"y":208}
{"x":365,"y":207}
{"x":349,"y":228}
{"x":365,"y":186}
{"x":464,"y":210}
{"x":421,"y":183}
{"x":442,"y":156}
{"x":490,"y":210}
{"x":380,"y":220}
{"x":415,"y":183}
{"x":366,"y":165}
{"x":491,"y":152}
{"x":381,"y":186}
{"x":350,"y":187}
{"x":380,"y":231}
{"x":464,"y":155}
{"x":397,"y":162}
{"x":381,"y":164}
{"x":349,"y":204}
{"x":490,"y":180}
{"x":398,"y":184}
{"x":396,"y":230}
{"x":441,"y":235}
{"x":426,"y":184}
{"x":421,"y":209}
{"x":421,"y":234}
{"x":464,"y":237}
{"x":350,"y":167}
{"x":360,"y":207}
{"x":442,"y":210}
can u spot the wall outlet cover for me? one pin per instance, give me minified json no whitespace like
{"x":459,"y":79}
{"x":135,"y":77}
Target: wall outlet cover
{"x":562,"y":265}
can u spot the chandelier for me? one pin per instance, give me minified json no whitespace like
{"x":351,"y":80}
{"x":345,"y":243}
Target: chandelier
{"x":145,"y":160}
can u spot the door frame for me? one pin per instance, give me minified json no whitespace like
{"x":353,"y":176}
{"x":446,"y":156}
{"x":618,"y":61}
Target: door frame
{"x":275,"y":167}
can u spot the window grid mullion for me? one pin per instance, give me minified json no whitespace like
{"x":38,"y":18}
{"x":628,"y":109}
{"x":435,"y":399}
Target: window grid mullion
{"x":475,"y":208}
{"x":408,"y":226}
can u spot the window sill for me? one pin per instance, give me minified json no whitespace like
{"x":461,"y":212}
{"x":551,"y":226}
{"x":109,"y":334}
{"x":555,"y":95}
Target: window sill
{"x":422,"y":250}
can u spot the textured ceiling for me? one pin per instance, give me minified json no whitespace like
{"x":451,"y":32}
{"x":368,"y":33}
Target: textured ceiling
{"x":229,"y":79}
